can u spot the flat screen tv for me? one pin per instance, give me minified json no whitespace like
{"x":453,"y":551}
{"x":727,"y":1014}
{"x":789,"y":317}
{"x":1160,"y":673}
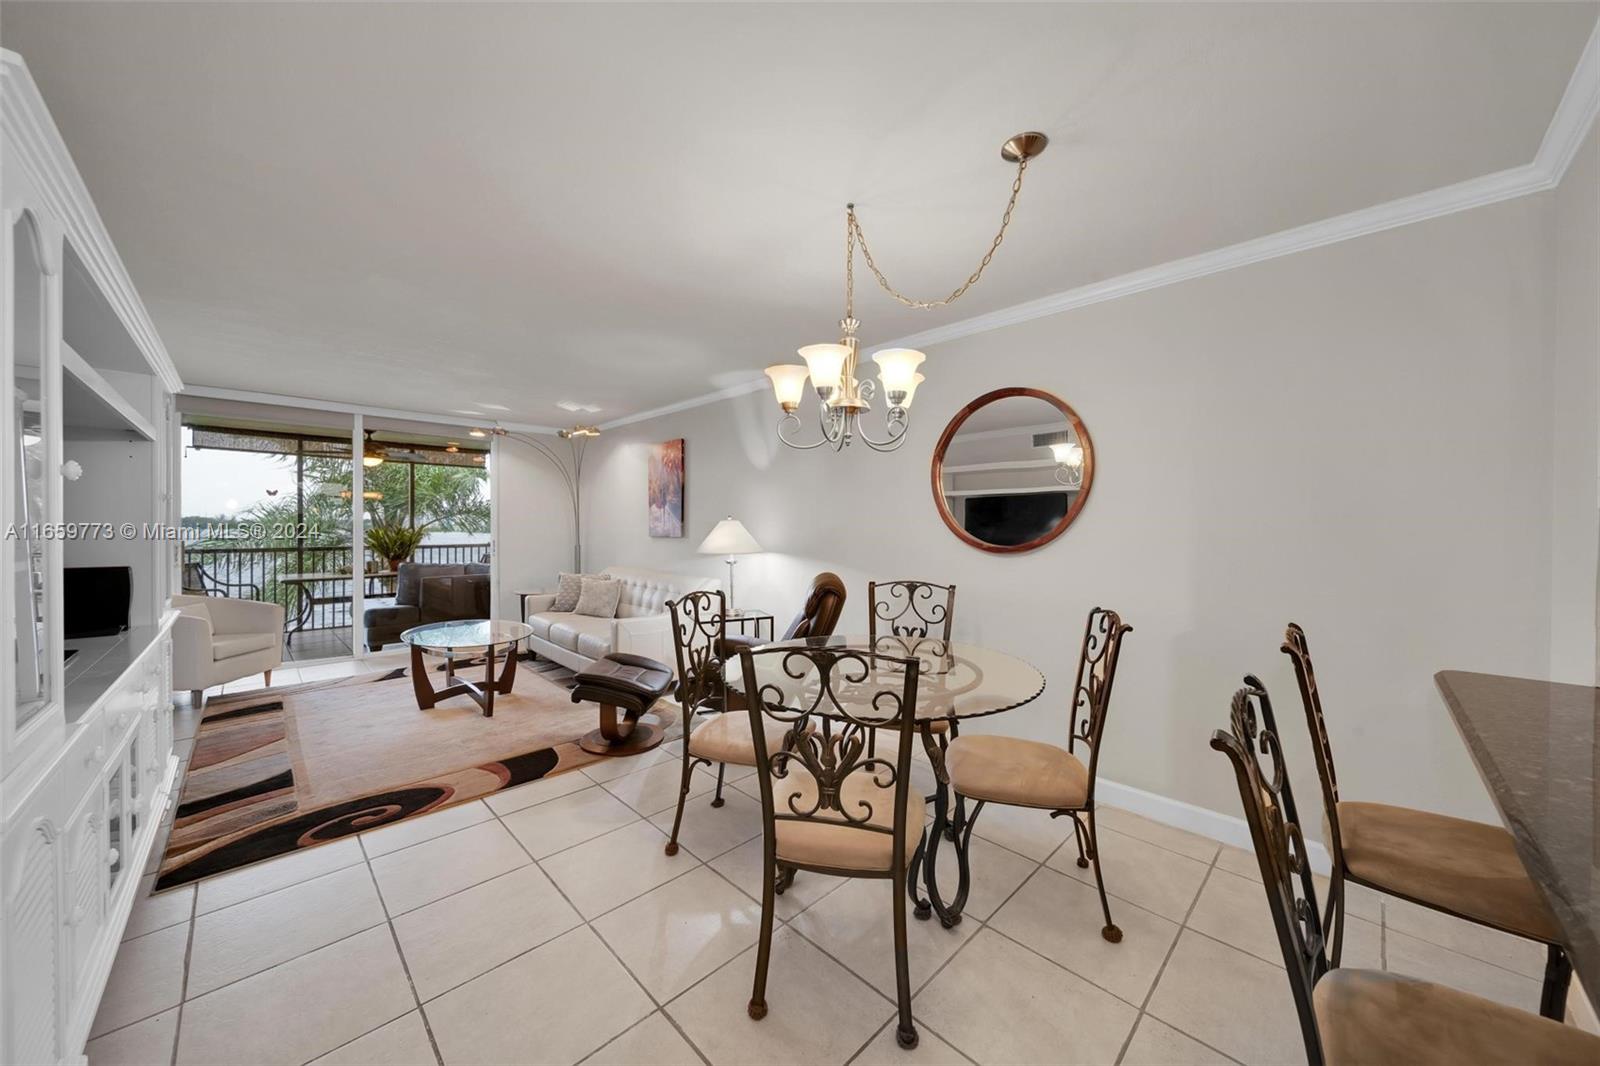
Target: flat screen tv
{"x":95,"y":600}
{"x":1014,"y":518}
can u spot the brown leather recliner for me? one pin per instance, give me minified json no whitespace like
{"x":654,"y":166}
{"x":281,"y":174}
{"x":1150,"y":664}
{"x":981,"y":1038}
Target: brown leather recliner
{"x":817,"y":617}
{"x":820,"y":613}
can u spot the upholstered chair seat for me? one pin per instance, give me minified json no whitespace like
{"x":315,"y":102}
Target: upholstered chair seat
{"x":1355,"y":1017}
{"x":725,"y":738}
{"x":1030,"y":773}
{"x":216,"y":640}
{"x":1021,"y":773}
{"x":1458,"y":867}
{"x":835,"y":799}
{"x":1371,"y":1018}
{"x":1466,"y":868}
{"x":828,"y":840}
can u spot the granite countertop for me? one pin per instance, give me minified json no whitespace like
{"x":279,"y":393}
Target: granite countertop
{"x":1537,"y":745}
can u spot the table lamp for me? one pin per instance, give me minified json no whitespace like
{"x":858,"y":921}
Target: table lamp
{"x":729,"y":537}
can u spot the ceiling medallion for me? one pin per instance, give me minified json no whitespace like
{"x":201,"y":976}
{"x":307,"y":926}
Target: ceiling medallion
{"x":831,"y":368}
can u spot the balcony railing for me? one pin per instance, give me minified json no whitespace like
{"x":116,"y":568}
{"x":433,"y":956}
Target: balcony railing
{"x":236,"y":569}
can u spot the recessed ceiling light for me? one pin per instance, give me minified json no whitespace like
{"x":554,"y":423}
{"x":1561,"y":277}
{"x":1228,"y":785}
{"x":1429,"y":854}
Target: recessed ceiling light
{"x":574,"y":406}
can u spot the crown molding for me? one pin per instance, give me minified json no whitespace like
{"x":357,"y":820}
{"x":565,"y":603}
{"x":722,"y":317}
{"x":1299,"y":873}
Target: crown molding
{"x":1476,"y":192}
{"x":210,"y":392}
{"x":40,"y":151}
{"x":743,"y":388}
{"x":1574,"y":116}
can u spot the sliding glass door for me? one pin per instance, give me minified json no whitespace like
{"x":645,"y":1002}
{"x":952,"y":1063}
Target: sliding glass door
{"x":268,"y":515}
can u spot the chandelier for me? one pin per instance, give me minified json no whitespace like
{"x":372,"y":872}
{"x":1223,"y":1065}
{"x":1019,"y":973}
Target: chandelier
{"x":1067,"y":454}
{"x":831,"y":368}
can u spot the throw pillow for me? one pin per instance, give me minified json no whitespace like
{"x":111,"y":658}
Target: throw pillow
{"x":599,"y":597}
{"x":568,"y":588}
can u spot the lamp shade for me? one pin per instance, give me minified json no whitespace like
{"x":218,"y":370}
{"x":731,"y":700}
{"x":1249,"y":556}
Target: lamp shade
{"x":825,"y":363}
{"x":911,"y":390}
{"x":788,"y":383}
{"x":1067,"y":453}
{"x":729,"y":537}
{"x":896,"y":367}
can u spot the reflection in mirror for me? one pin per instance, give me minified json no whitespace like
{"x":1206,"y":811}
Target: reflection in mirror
{"x":28,"y":474}
{"x":1012,"y":470}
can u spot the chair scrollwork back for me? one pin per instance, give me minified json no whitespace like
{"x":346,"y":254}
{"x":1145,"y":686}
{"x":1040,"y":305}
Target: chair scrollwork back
{"x":1299,"y":653}
{"x":910,"y":609}
{"x":828,"y":736}
{"x":1097,"y":672}
{"x":1280,"y":847}
{"x":699,"y":629}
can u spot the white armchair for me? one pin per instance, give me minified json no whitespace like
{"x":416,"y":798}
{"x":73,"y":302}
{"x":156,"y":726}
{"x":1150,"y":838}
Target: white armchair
{"x":217,"y":639}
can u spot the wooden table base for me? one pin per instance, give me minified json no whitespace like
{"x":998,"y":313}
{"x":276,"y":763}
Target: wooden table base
{"x":482,"y":695}
{"x":627,"y":735}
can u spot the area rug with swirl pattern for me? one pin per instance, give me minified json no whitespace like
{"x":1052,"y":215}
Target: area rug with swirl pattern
{"x":276,"y":770}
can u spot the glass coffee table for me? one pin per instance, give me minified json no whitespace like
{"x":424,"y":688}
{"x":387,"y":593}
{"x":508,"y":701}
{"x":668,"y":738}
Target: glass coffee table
{"x":466,"y":639}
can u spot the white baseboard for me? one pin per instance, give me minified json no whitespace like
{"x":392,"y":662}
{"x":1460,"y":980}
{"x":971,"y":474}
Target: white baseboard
{"x":1180,"y":815}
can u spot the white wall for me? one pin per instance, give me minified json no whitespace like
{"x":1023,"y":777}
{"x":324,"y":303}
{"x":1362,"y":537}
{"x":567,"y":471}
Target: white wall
{"x":1356,"y":438}
{"x":533,"y":521}
{"x":1573,"y":291}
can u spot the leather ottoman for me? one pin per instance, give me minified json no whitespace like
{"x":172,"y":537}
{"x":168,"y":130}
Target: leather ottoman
{"x":630,"y":684}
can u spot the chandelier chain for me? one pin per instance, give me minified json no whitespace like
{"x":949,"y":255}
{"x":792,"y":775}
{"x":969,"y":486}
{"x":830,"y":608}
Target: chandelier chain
{"x":855,"y":235}
{"x":850,"y":227}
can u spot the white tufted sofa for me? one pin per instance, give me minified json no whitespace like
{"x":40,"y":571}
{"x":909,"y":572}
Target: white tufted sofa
{"x":642,"y":625}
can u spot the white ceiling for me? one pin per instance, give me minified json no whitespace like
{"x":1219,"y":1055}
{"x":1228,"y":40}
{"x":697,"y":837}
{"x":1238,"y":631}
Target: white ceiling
{"x":453,"y":207}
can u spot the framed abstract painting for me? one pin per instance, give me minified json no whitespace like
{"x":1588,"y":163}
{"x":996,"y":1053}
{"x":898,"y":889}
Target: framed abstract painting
{"x":666,"y":489}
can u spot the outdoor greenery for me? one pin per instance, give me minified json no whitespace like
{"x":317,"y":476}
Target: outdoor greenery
{"x":451,"y":499}
{"x":394,"y":542}
{"x":448,"y":498}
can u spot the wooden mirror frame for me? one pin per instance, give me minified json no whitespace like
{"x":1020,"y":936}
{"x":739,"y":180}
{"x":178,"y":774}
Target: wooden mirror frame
{"x":955,"y":425}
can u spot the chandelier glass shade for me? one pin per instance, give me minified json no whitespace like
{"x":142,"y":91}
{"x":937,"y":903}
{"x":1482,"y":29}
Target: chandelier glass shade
{"x":831,"y":368}
{"x":1069,"y":463}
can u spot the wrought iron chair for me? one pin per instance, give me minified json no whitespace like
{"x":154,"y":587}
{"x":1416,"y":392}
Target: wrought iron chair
{"x":198,"y":581}
{"x":710,"y":733}
{"x":905,"y":613}
{"x":910,"y":609}
{"x":1466,"y":869}
{"x":1030,"y":773}
{"x":829,"y":802}
{"x":1351,"y":1016}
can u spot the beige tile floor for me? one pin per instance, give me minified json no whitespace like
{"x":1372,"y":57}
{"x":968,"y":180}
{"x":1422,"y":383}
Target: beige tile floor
{"x":547,"y":926}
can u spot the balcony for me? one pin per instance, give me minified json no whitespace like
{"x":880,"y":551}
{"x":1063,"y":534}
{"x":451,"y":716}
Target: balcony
{"x":317,"y":616}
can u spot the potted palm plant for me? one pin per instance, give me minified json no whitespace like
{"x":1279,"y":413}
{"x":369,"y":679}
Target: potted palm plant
{"x":394,"y":543}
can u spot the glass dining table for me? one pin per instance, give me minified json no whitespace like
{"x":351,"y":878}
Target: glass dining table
{"x":955,"y":681}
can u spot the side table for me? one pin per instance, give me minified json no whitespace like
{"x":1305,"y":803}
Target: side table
{"x":749,"y":623}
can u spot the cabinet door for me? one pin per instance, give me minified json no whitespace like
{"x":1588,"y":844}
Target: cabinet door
{"x":32,"y":959}
{"x":86,"y":887}
{"x":30,"y":447}
{"x":118,"y":838}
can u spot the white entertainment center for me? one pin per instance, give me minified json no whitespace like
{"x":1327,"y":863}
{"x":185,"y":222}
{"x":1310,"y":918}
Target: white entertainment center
{"x":88,"y":440}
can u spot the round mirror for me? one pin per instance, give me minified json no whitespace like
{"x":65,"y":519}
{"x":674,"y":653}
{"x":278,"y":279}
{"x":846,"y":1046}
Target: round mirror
{"x":1012,"y":470}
